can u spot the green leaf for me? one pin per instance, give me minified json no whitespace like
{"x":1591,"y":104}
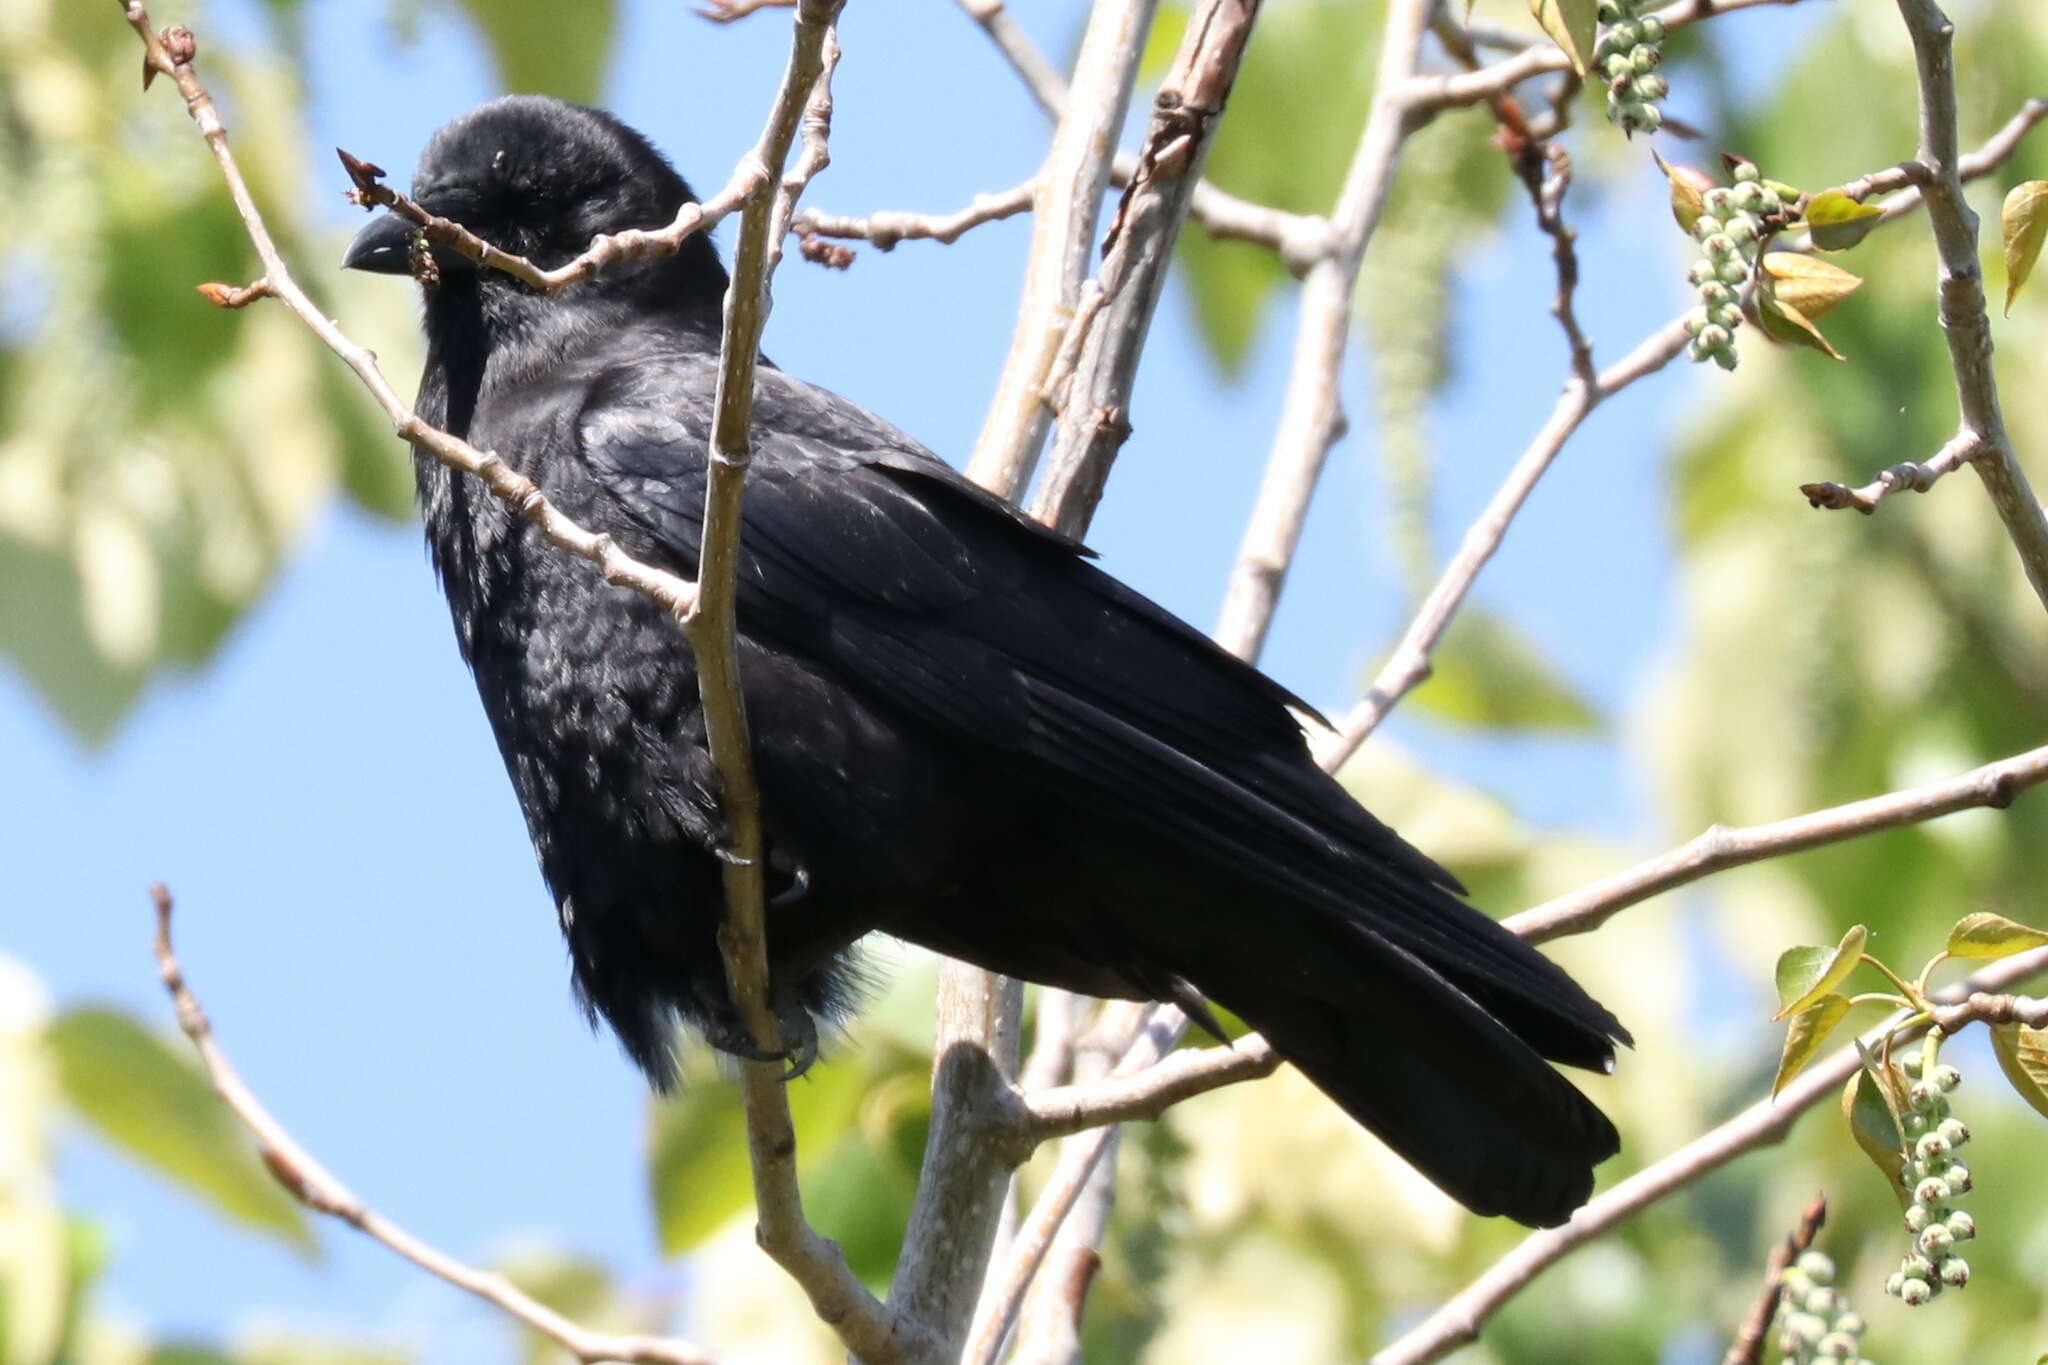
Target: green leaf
{"x":149,"y":1099}
{"x":1873,"y":1123}
{"x":2023,"y":1054}
{"x":1488,"y":675}
{"x":1838,"y":222}
{"x":2025,"y":220}
{"x":1571,"y":24}
{"x":541,"y":50}
{"x":1803,"y":1037}
{"x":1813,"y":286}
{"x":1806,"y":974}
{"x":1985,"y":935}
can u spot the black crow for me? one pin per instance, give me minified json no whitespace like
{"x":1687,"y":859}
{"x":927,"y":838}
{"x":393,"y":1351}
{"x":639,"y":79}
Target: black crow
{"x":967,"y":735}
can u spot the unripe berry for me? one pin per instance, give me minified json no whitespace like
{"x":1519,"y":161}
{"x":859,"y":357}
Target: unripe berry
{"x":1923,"y":1094}
{"x":1609,"y":13}
{"x":1822,"y":1303}
{"x":1745,"y":171}
{"x":1836,"y":1346}
{"x":1651,"y":88}
{"x":1851,"y":1323}
{"x":1935,"y":1240}
{"x":1895,"y":1283}
{"x":1705,"y":226}
{"x":1805,"y":1328}
{"x":1916,"y":1267}
{"x":1931,"y":1191}
{"x":1917,"y":1217}
{"x":1742,"y":228}
{"x":1955,"y":1272}
{"x":1961,"y":1226}
{"x":1725,"y":358}
{"x":1956,"y":1131}
{"x":1718,"y":244}
{"x":1643,"y":61}
{"x":1735,"y":272}
{"x":1931,"y":1146}
{"x":1703,"y":274}
{"x":1618,"y":68}
{"x":1959,"y":1181}
{"x":1916,"y":1292}
{"x":1749,"y":196}
{"x":1725,"y":315}
{"x":1945,"y":1076}
{"x":1714,"y":338}
{"x":1915,"y":1123}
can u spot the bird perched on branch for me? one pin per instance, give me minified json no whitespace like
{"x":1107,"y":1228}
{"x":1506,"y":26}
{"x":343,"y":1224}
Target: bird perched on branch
{"x":966,"y":734}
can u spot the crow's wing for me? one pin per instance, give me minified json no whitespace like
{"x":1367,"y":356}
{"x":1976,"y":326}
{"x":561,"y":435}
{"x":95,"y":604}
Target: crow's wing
{"x":944,"y":604}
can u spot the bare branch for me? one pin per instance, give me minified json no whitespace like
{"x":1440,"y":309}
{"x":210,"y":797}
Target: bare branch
{"x":884,"y":230}
{"x":1106,"y":342}
{"x":1748,"y":1346}
{"x":604,"y":251}
{"x":313,"y":1185}
{"x":675,"y":594}
{"x":1300,"y":239}
{"x":1964,"y":321}
{"x":1906,"y":475}
{"x":1311,"y":416}
{"x":732,"y":11}
{"x":1988,"y":1007}
{"x":1067,"y":197}
{"x":1719,"y":848}
{"x":1408,"y":666}
{"x":1767,"y":1121}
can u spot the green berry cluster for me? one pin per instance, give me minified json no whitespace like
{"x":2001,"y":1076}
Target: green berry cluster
{"x":1815,"y":1322}
{"x":1626,"y":57}
{"x":1730,"y":231}
{"x":1936,"y":1178}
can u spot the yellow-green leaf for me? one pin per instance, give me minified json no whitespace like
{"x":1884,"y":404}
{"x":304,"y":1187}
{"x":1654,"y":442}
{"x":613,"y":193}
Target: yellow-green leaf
{"x":1806,"y":974}
{"x":1807,"y":283}
{"x":1689,"y":186}
{"x":1985,"y":935}
{"x":2025,"y":220}
{"x":1805,"y":1034}
{"x":2023,"y":1053}
{"x":1784,"y":322}
{"x":149,"y":1099}
{"x":1839,"y":222}
{"x":1488,"y":674}
{"x":1869,"y":1114}
{"x":1571,"y":24}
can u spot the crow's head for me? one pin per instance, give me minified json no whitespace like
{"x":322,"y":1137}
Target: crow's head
{"x":538,"y":177}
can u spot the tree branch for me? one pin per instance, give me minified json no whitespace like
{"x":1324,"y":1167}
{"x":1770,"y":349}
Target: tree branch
{"x":313,"y":1185}
{"x":1719,"y":848}
{"x":1905,"y":475}
{"x":1107,"y":341}
{"x":884,"y":230}
{"x":1457,"y":1322}
{"x":1311,"y":415}
{"x":1964,"y":320}
{"x":1748,"y":1346}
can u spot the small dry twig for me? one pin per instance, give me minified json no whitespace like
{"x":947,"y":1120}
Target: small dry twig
{"x":1748,"y":1346}
{"x":313,"y":1185}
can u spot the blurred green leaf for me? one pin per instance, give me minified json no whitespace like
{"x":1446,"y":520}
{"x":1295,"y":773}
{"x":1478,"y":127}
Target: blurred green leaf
{"x":2023,"y":1054}
{"x":1839,"y":222}
{"x":1689,"y":186}
{"x":1487,"y":674}
{"x":2025,"y":222}
{"x":548,"y":49}
{"x":1806,"y":1033}
{"x":1874,"y":1126}
{"x":1806,"y":974}
{"x":1985,"y":935}
{"x":148,"y":1099}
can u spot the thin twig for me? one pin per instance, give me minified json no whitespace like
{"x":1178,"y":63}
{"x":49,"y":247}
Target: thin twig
{"x":1748,"y":1346}
{"x":1408,"y":666}
{"x":1904,"y":476}
{"x":1964,"y":321}
{"x":313,"y":1185}
{"x":884,"y":230}
{"x":1458,"y":1321}
{"x":675,"y":594}
{"x":1312,"y":417}
{"x":1994,"y":785}
{"x":1300,"y":239}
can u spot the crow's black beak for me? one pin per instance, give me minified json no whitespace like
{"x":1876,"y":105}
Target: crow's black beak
{"x":384,"y":247}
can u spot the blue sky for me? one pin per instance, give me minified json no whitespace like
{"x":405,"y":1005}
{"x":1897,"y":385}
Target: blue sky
{"x":360,"y":908}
